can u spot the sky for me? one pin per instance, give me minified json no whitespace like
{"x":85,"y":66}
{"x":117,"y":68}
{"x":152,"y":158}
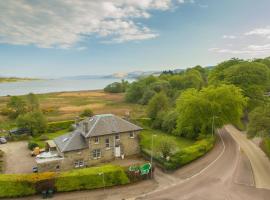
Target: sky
{"x":57,"y":38}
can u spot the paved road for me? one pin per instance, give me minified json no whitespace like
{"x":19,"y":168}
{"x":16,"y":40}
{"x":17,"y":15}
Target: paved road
{"x":259,"y":161}
{"x":228,"y":177}
{"x":17,"y":158}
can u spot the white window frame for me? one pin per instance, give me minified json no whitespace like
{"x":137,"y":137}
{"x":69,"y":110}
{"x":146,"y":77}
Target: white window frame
{"x":81,"y":163}
{"x":132,"y":134}
{"x":95,"y":153}
{"x":107,"y":143}
{"x":96,"y":140}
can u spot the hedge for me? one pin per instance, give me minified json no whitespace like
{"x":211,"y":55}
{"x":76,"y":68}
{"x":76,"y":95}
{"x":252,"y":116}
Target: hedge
{"x":265,"y":145}
{"x":185,"y":155}
{"x":90,"y":178}
{"x":57,"y":126}
{"x":15,"y":185}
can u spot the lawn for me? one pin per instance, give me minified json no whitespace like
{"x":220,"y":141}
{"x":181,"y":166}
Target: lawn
{"x":146,"y":139}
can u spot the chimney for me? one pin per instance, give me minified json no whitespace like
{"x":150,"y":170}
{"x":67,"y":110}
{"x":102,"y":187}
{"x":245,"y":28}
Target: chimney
{"x":85,"y":127}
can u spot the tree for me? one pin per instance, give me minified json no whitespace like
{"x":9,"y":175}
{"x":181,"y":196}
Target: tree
{"x":87,"y":113}
{"x":166,"y":147}
{"x":17,"y":106}
{"x":197,"y":109}
{"x":169,"y":121}
{"x":217,"y":75}
{"x":32,"y":102}
{"x":259,"y":121}
{"x":35,"y":122}
{"x":157,"y":104}
{"x":114,"y":88}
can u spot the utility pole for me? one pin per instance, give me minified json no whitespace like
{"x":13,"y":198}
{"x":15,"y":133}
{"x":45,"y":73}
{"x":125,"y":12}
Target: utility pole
{"x":152,"y":147}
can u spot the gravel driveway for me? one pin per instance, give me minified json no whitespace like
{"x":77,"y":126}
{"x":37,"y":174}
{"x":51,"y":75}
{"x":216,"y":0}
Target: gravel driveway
{"x":17,"y":158}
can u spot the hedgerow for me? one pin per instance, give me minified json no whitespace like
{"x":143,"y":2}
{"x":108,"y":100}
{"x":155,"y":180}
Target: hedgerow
{"x":57,"y":126}
{"x":16,"y":185}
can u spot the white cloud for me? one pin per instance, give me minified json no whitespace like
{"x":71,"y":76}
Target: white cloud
{"x":229,"y":37}
{"x":249,"y":50}
{"x":265,"y":32}
{"x":65,"y":23}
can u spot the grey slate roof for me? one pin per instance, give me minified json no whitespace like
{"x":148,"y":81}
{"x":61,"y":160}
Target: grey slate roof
{"x":98,"y":125}
{"x":108,"y":124}
{"x":71,"y":141}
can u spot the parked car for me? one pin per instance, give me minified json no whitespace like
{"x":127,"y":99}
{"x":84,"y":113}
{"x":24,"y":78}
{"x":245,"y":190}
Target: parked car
{"x":35,"y":169}
{"x":3,"y":140}
{"x":19,"y":131}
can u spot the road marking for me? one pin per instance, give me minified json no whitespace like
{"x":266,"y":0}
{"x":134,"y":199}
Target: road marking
{"x":186,"y":179}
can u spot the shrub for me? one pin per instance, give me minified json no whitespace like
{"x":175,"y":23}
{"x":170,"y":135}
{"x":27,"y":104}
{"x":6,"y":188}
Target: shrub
{"x":16,"y":185}
{"x":61,"y":125}
{"x":32,"y":145}
{"x":87,"y":113}
{"x":265,"y":145}
{"x":89,"y":178}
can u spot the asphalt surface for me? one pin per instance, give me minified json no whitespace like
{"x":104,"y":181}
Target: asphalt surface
{"x":259,"y":161}
{"x":223,"y":179}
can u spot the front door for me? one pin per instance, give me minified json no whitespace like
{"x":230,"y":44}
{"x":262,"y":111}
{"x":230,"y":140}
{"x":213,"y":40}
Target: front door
{"x":117,"y":152}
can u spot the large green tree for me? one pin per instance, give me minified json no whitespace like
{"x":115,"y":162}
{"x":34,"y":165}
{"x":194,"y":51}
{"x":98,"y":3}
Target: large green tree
{"x":159,"y":103}
{"x":199,"y":110}
{"x":16,"y":106}
{"x":259,"y":121}
{"x":35,"y":122}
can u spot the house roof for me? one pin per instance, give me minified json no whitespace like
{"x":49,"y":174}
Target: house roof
{"x":107,"y":124}
{"x":71,"y":141}
{"x":97,"y":125}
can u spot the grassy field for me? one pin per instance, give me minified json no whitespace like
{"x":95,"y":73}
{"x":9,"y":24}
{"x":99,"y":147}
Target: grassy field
{"x":146,"y":137}
{"x":67,"y":105}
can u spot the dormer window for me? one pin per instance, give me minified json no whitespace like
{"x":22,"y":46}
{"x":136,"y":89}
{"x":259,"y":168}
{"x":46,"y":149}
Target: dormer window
{"x":96,"y":140}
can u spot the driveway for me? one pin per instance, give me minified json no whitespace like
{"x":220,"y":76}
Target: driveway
{"x":17,"y":158}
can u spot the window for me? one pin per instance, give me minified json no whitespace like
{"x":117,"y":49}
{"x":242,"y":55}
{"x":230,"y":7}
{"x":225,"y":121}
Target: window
{"x":117,"y":137}
{"x":96,"y":140}
{"x":96,"y":153}
{"x":78,"y":163}
{"x":131,"y":134}
{"x":107,"y":143}
{"x":81,"y":163}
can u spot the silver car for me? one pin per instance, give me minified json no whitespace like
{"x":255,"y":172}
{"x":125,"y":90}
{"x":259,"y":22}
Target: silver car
{"x":3,"y":140}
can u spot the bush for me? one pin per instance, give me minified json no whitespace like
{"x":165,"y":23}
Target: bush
{"x":265,"y":145}
{"x":61,"y":125}
{"x":89,"y":178}
{"x":15,"y":185}
{"x":87,"y":113}
{"x":32,"y":145}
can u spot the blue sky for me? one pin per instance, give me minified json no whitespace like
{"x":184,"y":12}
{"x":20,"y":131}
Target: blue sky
{"x":65,"y":38}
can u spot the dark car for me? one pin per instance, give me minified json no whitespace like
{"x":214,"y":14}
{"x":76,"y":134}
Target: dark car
{"x":3,"y":140}
{"x":35,"y":169}
{"x":19,"y":131}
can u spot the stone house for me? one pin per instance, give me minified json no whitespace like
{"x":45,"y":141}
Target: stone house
{"x":96,"y":139}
